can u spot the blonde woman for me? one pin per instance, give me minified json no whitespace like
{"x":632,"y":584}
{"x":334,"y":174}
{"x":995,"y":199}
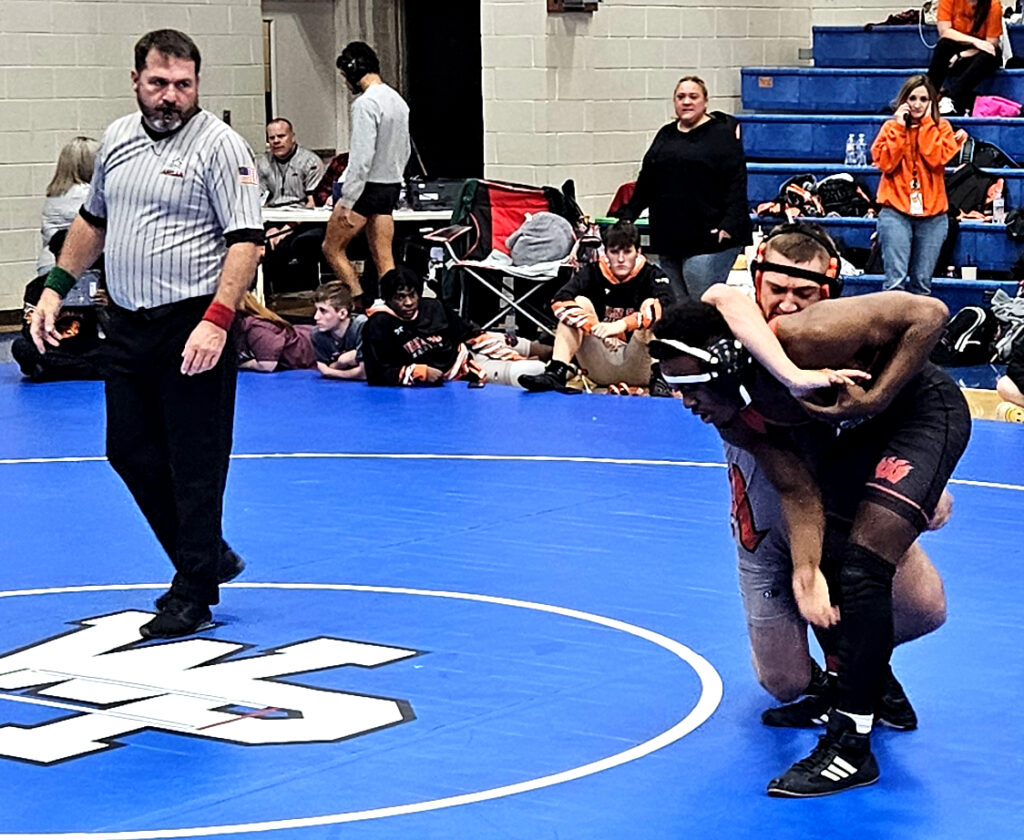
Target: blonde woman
{"x":65,"y":193}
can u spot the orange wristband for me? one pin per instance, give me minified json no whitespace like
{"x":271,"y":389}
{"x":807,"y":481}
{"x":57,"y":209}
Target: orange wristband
{"x":219,"y":314}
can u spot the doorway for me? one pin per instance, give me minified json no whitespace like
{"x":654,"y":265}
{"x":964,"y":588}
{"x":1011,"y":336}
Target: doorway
{"x":444,"y":80}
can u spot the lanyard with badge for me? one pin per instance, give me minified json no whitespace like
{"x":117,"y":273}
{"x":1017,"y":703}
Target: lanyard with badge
{"x":916,"y":199}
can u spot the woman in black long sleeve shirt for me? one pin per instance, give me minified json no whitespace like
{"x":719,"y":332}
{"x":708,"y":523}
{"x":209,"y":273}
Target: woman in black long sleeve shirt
{"x":694,"y":180}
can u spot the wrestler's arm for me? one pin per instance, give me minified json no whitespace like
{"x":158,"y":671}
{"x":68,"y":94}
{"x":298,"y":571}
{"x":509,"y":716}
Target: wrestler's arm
{"x":802,"y":512}
{"x":747,"y":323}
{"x":834,"y":332}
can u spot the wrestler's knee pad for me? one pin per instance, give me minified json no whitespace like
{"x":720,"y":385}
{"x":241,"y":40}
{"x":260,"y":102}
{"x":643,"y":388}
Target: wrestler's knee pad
{"x":862,"y":574}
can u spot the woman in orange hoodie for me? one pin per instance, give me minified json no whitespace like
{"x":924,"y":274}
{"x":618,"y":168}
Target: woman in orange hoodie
{"x":912,"y":150}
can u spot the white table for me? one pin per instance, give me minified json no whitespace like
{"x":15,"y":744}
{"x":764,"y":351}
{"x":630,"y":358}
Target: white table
{"x":321,"y":215}
{"x":278,"y":215}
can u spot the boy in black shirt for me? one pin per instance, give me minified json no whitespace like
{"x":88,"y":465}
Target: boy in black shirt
{"x":418,"y":341}
{"x":605,"y":313}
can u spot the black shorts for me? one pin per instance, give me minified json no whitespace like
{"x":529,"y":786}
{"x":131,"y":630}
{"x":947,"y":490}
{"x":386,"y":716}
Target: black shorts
{"x":378,"y":199}
{"x":903,"y":458}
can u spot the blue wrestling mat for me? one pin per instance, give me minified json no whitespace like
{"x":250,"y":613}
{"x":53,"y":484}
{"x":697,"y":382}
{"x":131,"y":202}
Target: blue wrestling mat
{"x":466,"y":614}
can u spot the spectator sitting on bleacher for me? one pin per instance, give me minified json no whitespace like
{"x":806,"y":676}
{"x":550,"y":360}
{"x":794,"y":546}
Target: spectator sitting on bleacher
{"x":414,"y":340}
{"x":266,"y":342}
{"x":605,"y":313}
{"x":338,"y":338}
{"x":289,"y":176}
{"x":694,"y":180}
{"x":1011,"y":386}
{"x":969,"y":35}
{"x":912,"y":150}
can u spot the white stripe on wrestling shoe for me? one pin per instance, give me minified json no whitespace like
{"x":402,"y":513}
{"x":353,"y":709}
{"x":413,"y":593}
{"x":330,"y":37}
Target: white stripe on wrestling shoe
{"x":839,"y":769}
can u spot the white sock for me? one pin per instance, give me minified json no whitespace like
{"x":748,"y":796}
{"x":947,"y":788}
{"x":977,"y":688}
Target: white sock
{"x":862,"y":722}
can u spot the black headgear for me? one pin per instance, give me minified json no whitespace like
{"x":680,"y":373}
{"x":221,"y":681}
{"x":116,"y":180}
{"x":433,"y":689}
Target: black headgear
{"x":725,"y":358}
{"x":830,"y":281}
{"x":356,"y":60}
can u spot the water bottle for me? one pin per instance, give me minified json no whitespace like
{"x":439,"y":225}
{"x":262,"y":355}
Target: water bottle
{"x":435,"y":263}
{"x":851,"y":152}
{"x":999,"y":210}
{"x":862,"y":151}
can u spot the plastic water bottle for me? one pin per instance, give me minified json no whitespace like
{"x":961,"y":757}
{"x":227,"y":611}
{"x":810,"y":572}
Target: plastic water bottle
{"x":999,"y":210}
{"x":862,"y":151}
{"x":851,"y":152}
{"x":435,"y":263}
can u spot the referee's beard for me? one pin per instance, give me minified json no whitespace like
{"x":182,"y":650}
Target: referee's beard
{"x":167,"y":117}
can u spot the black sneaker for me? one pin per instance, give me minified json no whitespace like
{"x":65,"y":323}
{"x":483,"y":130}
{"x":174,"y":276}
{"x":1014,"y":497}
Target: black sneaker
{"x":842,"y":760}
{"x":554,"y":378}
{"x":177,"y":618}
{"x":809,"y":711}
{"x":893,"y":708}
{"x":658,"y":387}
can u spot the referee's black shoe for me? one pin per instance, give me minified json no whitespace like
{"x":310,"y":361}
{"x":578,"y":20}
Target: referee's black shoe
{"x":231,"y":566}
{"x":842,"y":760}
{"x":177,"y":617}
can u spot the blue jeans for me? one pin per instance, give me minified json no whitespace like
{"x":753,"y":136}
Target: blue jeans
{"x":690,"y":277}
{"x":910,"y":244}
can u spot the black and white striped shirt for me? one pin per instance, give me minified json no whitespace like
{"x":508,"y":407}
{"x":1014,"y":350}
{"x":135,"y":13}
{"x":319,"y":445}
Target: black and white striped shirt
{"x":167,"y":205}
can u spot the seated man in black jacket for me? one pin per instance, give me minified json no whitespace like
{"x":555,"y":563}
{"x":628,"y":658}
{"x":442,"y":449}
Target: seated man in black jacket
{"x":605,"y":313}
{"x":414,"y":340}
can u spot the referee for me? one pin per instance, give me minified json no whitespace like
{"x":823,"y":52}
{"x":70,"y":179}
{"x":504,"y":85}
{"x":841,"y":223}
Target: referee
{"x":175,"y":207}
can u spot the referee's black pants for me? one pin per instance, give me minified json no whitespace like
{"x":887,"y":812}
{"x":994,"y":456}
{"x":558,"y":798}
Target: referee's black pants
{"x":169,"y":436}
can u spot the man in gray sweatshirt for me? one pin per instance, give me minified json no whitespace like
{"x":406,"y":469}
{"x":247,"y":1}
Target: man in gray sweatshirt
{"x":378,"y":152}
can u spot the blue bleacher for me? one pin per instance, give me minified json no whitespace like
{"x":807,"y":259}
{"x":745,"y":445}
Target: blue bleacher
{"x":883,"y":46}
{"x":764,"y":179}
{"x":803,"y":116}
{"x":979,"y":243}
{"x":956,"y":294}
{"x":830,"y":90}
{"x":784,"y":137}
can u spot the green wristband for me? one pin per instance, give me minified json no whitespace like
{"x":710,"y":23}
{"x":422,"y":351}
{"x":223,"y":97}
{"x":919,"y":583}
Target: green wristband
{"x":60,"y":281}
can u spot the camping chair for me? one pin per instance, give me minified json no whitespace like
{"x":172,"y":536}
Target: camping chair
{"x":486,"y":214}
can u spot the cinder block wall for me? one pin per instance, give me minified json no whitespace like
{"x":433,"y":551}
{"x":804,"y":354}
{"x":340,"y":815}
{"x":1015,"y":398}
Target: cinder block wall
{"x":851,"y":13}
{"x":581,"y":95}
{"x":64,"y":70}
{"x":565,"y":96}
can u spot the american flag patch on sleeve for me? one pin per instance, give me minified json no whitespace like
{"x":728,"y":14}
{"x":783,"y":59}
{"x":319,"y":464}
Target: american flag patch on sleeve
{"x":247,"y":175}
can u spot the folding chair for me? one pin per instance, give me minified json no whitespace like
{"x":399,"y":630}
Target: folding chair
{"x":486,"y":214}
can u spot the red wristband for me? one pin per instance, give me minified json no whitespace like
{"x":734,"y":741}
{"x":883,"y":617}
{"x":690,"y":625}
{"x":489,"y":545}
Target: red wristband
{"x":219,"y":314}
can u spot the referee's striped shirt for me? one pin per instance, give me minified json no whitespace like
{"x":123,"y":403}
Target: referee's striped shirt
{"x":167,"y":205}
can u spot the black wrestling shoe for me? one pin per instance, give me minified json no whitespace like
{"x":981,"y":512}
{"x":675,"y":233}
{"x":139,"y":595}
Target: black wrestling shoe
{"x":806,"y":713}
{"x":893,"y":708}
{"x":177,"y":618}
{"x":658,"y":387}
{"x":842,"y":760}
{"x":231,"y":566}
{"x":554,"y":378}
{"x":809,"y":711}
